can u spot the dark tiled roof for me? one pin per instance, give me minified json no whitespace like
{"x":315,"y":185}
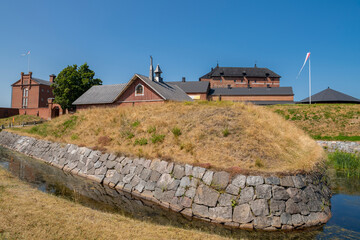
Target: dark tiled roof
{"x":40,"y":81}
{"x":238,"y":72}
{"x":256,"y":91}
{"x":330,"y":95}
{"x":271,"y":102}
{"x":100,"y":94}
{"x":192,"y":87}
{"x":165,"y":90}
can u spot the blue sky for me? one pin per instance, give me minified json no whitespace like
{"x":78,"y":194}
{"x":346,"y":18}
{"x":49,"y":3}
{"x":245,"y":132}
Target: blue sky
{"x":186,"y":38}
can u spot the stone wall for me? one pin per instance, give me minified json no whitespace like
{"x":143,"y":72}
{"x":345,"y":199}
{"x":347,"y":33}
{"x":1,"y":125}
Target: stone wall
{"x":239,"y":201}
{"x":332,"y":146}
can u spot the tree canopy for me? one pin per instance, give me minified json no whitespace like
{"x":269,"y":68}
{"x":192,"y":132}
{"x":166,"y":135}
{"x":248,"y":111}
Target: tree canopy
{"x":72,"y":82}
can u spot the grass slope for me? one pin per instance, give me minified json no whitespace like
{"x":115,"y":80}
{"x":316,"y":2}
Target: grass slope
{"x":27,"y":213}
{"x":220,"y":134}
{"x":18,"y":119}
{"x":324,"y":121}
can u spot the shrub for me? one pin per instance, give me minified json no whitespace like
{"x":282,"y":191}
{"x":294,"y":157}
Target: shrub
{"x":259,"y":163}
{"x":226,"y":132}
{"x":141,"y":141}
{"x":74,"y":136}
{"x":151,"y":129}
{"x":176,"y":131}
{"x":135,"y":124}
{"x":155,"y":138}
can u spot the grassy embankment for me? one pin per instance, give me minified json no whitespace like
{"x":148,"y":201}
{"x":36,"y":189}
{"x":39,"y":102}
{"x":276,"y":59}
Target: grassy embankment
{"x":324,"y":121}
{"x":349,"y":163}
{"x":18,"y":119}
{"x":27,"y":213}
{"x":222,"y":135}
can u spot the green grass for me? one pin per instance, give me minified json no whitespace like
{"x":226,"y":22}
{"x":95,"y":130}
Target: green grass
{"x":18,"y":119}
{"x":347,"y":162}
{"x":337,"y":138}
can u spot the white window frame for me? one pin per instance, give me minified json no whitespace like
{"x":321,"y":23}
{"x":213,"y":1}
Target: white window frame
{"x":143,"y":89}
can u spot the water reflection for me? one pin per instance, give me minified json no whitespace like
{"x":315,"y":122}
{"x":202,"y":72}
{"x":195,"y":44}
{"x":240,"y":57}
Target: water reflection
{"x":91,"y":194}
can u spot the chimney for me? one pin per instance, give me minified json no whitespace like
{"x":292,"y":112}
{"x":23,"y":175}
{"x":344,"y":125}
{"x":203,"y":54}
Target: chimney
{"x":229,"y":86}
{"x":158,"y":72}
{"x":255,"y":66}
{"x":30,"y":74}
{"x":52,"y":77}
{"x":267,"y":74}
{"x":183,"y":79}
{"x":151,"y":72}
{"x":244,"y":73}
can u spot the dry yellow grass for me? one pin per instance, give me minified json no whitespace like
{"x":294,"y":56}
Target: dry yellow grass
{"x":27,"y":213}
{"x":223,"y":135}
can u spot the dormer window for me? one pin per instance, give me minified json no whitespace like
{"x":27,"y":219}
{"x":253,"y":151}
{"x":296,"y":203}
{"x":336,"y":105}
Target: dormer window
{"x":139,"y":90}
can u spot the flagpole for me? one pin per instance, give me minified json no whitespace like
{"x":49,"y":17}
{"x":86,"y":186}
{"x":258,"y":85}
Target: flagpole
{"x":309,"y":81}
{"x":28,"y":62}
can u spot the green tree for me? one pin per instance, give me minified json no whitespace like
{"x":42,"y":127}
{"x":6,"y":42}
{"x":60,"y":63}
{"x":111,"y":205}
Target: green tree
{"x":72,"y":82}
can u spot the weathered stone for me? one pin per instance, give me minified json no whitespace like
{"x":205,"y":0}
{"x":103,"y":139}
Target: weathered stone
{"x":254,"y":180}
{"x":150,"y":186}
{"x":185,"y":181}
{"x":242,"y":214}
{"x":263,"y":191}
{"x":315,"y":205}
{"x":154,"y":176}
{"x":161,"y":167}
{"x":262,"y":222}
{"x":188,"y":170}
{"x":145,"y":174}
{"x":154,"y":164}
{"x":277,"y":207}
{"x":304,"y":209}
{"x":292,"y":207}
{"x":198,"y":172}
{"x":220,"y":180}
{"x":221,"y":214}
{"x":179,"y":172}
{"x":169,"y":168}
{"x":239,"y":181}
{"x":180,"y":192}
{"x":128,"y":178}
{"x":110,"y":164}
{"x":286,"y":227}
{"x":259,"y":207}
{"x":147,"y":163}
{"x":232,"y":189}
{"x":190,"y":193}
{"x":226,"y":200}
{"x":276,"y":222}
{"x":167,"y":196}
{"x":279,"y":193}
{"x":186,"y":202}
{"x":158,"y":193}
{"x":104,"y":157}
{"x":175,"y":206}
{"x":164,"y":181}
{"x":97,"y":164}
{"x":138,"y":170}
{"x":206,"y":196}
{"x":287,"y":181}
{"x":286,"y":219}
{"x":246,"y":195}
{"x":194,"y":182}
{"x":135,"y":181}
{"x":127,"y":188}
{"x":298,"y":182}
{"x":187,"y":212}
{"x":208,"y":176}
{"x":297,"y":220}
{"x":200,"y":210}
{"x":141,"y":186}
{"x":101,"y":171}
{"x":173,"y":185}
{"x":295,"y":194}
{"x":247,"y":226}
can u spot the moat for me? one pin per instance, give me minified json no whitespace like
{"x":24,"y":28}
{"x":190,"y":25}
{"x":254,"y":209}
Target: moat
{"x":345,"y":202}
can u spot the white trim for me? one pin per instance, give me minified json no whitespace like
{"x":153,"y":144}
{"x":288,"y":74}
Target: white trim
{"x":143,"y":90}
{"x":157,"y":100}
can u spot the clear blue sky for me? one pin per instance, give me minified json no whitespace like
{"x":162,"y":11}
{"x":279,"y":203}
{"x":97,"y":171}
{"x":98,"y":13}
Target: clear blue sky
{"x":186,"y":38}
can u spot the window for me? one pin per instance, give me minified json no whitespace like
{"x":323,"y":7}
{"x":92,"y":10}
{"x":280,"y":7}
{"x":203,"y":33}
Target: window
{"x":139,"y":90}
{"x":42,"y":90}
{"x":25,"y":92}
{"x":42,"y":99}
{"x":48,"y":91}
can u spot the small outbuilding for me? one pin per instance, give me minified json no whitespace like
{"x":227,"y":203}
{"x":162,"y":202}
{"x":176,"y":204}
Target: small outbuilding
{"x":330,"y":96}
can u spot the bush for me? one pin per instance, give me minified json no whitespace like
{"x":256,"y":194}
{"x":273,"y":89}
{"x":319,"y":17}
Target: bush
{"x":226,"y":132}
{"x":176,"y":131}
{"x":151,"y":129}
{"x":155,"y":138}
{"x":74,"y":137}
{"x":141,"y":141}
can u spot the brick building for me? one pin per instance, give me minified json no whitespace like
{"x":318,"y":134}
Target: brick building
{"x":34,"y":96}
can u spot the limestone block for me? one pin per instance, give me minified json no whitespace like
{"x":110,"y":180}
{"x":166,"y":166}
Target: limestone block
{"x":263,"y":191}
{"x":154,"y":176}
{"x":220,"y":180}
{"x":179,"y":171}
{"x":292,"y":207}
{"x":298,"y":182}
{"x":206,"y":196}
{"x":185,"y":181}
{"x":254,"y":180}
{"x":242,"y":214}
{"x":262,"y":222}
{"x":232,"y":189}
{"x":287,"y":181}
{"x":225,"y":200}
{"x":279,"y":193}
{"x":208,"y":176}
{"x":221,"y":214}
{"x":259,"y":207}
{"x":297,"y":220}
{"x":246,"y":195}
{"x":145,"y":174}
{"x":164,"y":181}
{"x":277,"y":207}
{"x":198,"y":172}
{"x":188,"y":170}
{"x":239,"y":181}
{"x":200,"y":210}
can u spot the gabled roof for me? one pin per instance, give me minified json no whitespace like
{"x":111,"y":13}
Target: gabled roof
{"x":100,"y":94}
{"x":192,"y":87}
{"x":165,"y":90}
{"x":256,"y":91}
{"x":238,"y":72}
{"x":330,"y":95}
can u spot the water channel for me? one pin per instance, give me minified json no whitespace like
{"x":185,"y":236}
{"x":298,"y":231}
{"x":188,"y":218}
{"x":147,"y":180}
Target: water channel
{"x":345,"y":223}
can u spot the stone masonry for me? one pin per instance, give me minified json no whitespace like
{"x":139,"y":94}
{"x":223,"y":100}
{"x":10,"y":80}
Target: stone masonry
{"x":248,"y":202}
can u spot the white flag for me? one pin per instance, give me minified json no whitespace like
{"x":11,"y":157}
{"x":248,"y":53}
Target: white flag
{"x":306,"y":58}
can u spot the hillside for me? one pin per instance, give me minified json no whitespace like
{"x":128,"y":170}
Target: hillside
{"x":324,"y":121}
{"x":18,"y":119}
{"x":222,"y":135}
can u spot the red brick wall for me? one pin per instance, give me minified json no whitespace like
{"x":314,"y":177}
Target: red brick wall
{"x":129,"y":94}
{"x":44,"y":113}
{"x":8,"y":112}
{"x":254,"y":98}
{"x":223,"y":82}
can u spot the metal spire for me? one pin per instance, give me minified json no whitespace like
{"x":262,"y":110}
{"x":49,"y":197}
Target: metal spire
{"x":151,"y":72}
